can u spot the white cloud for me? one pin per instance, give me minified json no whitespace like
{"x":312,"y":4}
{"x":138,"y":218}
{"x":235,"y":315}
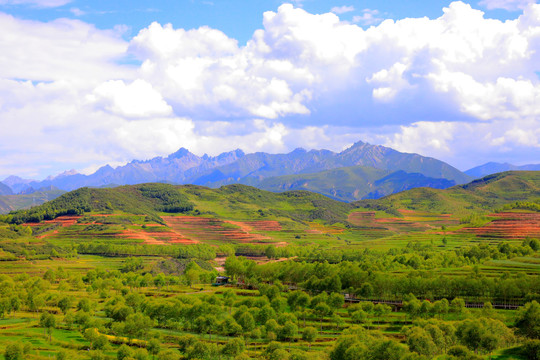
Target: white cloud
{"x":368,"y":17}
{"x":59,"y":50}
{"x":36,"y":3}
{"x":434,"y":86}
{"x":342,"y":9}
{"x":138,"y":99}
{"x":510,"y":5}
{"x":77,"y":12}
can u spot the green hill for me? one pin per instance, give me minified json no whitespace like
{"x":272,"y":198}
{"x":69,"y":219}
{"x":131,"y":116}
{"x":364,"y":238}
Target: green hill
{"x":486,"y":194}
{"x":231,"y":202}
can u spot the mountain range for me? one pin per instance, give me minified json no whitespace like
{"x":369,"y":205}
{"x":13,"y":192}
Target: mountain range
{"x":360,"y":171}
{"x":493,"y":167}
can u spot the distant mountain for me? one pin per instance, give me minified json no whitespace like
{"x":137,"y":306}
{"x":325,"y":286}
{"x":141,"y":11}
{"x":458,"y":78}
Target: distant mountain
{"x":5,"y":190}
{"x":493,"y":167}
{"x":16,"y":183}
{"x":253,"y":168}
{"x":24,"y":201}
{"x":353,"y":183}
{"x":184,"y":167}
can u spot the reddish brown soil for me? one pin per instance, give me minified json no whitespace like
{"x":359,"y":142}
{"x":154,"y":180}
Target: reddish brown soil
{"x":209,"y":229}
{"x":367,"y":219}
{"x":157,"y":237}
{"x":64,"y":221}
{"x":509,"y":225}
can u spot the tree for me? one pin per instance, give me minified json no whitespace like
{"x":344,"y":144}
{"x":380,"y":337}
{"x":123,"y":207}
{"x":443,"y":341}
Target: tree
{"x":246,"y":321}
{"x":48,"y":322}
{"x":153,"y":347}
{"x":528,"y":320}
{"x":381,"y":310}
{"x":421,"y":342}
{"x":137,"y":325}
{"x":124,"y":352}
{"x":14,"y":351}
{"x":192,"y":273}
{"x":322,"y":310}
{"x":457,"y":306}
{"x":64,"y":304}
{"x":288,"y":331}
{"x":168,"y":354}
{"x":234,"y":347}
{"x":309,"y":334}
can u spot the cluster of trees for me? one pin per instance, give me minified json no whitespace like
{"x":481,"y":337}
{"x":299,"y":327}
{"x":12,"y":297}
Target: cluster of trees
{"x":169,"y":199}
{"x":195,"y":251}
{"x":364,"y":282}
{"x":274,"y":316}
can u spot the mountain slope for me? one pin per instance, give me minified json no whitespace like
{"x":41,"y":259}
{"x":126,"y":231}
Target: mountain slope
{"x":353,"y":183}
{"x":154,"y":200}
{"x":23,"y":201}
{"x":254,"y":168}
{"x":486,"y":194}
{"x":493,"y":168}
{"x":5,"y":190}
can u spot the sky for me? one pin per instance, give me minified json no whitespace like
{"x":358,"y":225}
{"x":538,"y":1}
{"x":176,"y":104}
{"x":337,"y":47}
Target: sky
{"x":89,"y":83}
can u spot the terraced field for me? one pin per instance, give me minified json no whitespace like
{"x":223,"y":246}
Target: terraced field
{"x":509,"y":225}
{"x":211,"y":230}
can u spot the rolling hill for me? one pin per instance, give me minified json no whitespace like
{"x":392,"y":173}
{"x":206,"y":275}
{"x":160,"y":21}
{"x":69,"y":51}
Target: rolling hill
{"x":119,"y":220}
{"x":482,"y":195}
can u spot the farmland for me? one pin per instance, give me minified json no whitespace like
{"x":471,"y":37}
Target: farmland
{"x":127,"y":273}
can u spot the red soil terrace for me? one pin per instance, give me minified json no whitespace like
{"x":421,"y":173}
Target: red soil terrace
{"x":509,"y":225}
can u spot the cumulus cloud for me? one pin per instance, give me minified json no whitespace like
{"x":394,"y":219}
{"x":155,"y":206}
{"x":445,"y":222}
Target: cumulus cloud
{"x":417,"y":84}
{"x":138,"y":99}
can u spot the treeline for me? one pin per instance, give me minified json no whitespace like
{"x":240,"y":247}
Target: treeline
{"x":521,"y":205}
{"x":73,"y":203}
{"x":198,"y":251}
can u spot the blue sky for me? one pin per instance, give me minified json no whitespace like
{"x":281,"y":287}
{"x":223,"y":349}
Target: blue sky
{"x":84,"y":84}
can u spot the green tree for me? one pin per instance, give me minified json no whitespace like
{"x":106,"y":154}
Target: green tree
{"x":124,"y":352}
{"x":14,"y":351}
{"x":234,"y":347}
{"x":528,"y":320}
{"x":153,"y":347}
{"x":309,"y":334}
{"x":48,"y":322}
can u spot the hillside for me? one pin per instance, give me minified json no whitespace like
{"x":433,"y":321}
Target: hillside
{"x":5,"y":190}
{"x":24,"y":201}
{"x":353,"y":183}
{"x":119,"y":220}
{"x":486,"y":194}
{"x":232,"y":201}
